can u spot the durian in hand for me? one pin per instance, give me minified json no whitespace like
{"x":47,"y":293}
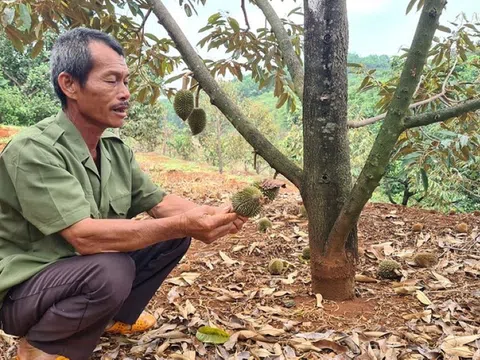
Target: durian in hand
{"x":275,"y":266}
{"x":197,"y":120}
{"x":389,"y":269}
{"x":269,"y":187}
{"x":183,"y":103}
{"x":264,"y":224}
{"x":247,"y":202}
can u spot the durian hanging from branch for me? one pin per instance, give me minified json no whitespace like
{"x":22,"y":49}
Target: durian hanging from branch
{"x":198,"y":118}
{"x":183,"y":101}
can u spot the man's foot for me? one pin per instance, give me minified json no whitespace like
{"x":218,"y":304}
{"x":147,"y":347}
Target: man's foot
{"x":144,"y":322}
{"x":25,"y":351}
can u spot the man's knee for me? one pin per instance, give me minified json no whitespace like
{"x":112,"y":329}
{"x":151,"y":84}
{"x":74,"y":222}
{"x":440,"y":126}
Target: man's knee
{"x":112,"y":277}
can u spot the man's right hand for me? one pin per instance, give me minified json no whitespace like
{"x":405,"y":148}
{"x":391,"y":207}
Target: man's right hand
{"x":207,"y":224}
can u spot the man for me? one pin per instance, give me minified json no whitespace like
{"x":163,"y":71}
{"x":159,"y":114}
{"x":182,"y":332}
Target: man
{"x":72,"y":262}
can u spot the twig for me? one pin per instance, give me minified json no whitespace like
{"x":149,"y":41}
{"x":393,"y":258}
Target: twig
{"x":142,"y":25}
{"x":245,"y":15}
{"x":197,"y":95}
{"x":372,"y":120}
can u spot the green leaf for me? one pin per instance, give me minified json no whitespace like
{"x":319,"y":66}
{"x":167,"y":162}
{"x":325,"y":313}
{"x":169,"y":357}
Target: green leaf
{"x":213,"y":18}
{"x":207,"y":334}
{"x":8,"y":16}
{"x":25,"y":16}
{"x":354,"y":65}
{"x":423,"y":173}
{"x":188,"y":10}
{"x":234,"y":24}
{"x":444,"y":28}
{"x":410,"y":5}
{"x":37,"y":49}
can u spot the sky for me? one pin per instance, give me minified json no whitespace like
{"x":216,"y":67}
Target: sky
{"x":375,"y":26}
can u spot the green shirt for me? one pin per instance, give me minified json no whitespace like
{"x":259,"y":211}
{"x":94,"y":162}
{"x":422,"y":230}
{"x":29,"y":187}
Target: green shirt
{"x":49,"y":181}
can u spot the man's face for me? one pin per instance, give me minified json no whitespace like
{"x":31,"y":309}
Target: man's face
{"x":103,"y":100}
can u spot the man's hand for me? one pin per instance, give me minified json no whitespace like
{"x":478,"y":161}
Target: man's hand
{"x":241,"y":220}
{"x":207,"y":223}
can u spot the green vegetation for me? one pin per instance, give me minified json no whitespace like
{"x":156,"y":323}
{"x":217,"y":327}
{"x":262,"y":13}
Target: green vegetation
{"x":436,"y":167}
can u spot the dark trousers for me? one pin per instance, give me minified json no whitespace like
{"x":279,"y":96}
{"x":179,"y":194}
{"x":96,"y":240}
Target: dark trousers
{"x":65,"y":308}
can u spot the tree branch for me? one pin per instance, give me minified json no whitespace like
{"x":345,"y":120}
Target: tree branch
{"x":372,"y":120}
{"x":245,"y":15}
{"x":294,"y":65}
{"x":220,"y":99}
{"x":392,"y":127}
{"x":441,"y":115}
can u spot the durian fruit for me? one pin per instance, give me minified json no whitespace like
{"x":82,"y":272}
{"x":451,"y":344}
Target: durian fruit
{"x":425,"y":259}
{"x":302,"y":211}
{"x":264,"y":224}
{"x":461,"y":228}
{"x":389,"y":269}
{"x":183,"y":103}
{"x":197,"y":120}
{"x":306,"y":253}
{"x":275,"y":267}
{"x":417,"y":227}
{"x":476,"y":213}
{"x":247,"y":202}
{"x":269,"y":188}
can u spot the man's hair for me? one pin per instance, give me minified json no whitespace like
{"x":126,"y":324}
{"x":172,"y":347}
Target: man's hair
{"x":71,"y":54}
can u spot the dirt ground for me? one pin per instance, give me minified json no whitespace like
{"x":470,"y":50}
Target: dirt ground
{"x":429,"y":313}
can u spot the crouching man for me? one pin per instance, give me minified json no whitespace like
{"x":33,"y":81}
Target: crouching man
{"x":73,"y":264}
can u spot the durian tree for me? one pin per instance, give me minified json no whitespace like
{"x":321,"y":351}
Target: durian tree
{"x":308,"y":65}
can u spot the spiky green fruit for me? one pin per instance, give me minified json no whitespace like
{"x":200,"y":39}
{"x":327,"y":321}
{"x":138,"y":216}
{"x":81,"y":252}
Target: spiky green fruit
{"x":197,"y":120}
{"x":183,"y":103}
{"x":306,"y":253}
{"x":247,"y":202}
{"x":302,"y":211}
{"x":389,"y":269}
{"x":269,"y":193}
{"x":275,"y":267}
{"x":264,"y":224}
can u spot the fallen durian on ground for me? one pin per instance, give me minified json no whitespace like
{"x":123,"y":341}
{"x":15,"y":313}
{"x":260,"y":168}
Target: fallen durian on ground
{"x":264,"y":224}
{"x":275,"y":267}
{"x":306,"y":253}
{"x":197,"y":121}
{"x":183,"y":103}
{"x":389,"y":269}
{"x":425,"y":259}
{"x":247,"y":202}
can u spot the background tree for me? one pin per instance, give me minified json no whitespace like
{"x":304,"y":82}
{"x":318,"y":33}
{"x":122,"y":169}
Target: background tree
{"x":274,"y":56}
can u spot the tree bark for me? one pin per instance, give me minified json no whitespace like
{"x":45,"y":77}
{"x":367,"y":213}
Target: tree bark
{"x":292,"y":60}
{"x":392,"y":127}
{"x":220,"y":99}
{"x":327,"y":180}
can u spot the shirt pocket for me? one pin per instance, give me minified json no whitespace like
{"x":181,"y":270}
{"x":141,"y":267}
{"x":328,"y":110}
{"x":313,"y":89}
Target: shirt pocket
{"x":119,"y":206}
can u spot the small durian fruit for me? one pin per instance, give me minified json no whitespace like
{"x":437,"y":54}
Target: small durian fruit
{"x":269,"y":188}
{"x":264,"y":224}
{"x":452,"y":212}
{"x":476,"y":213}
{"x":247,"y":202}
{"x":275,"y":267}
{"x":302,"y":211}
{"x":183,"y":103}
{"x":389,"y":269}
{"x":417,"y":227}
{"x":461,"y":228}
{"x":197,"y":121}
{"x":425,"y":259}
{"x":306,"y":253}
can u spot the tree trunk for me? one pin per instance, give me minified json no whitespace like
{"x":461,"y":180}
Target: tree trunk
{"x":327,"y":180}
{"x":219,"y":145}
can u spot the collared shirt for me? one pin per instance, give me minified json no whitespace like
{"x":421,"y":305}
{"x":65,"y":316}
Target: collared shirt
{"x":49,"y":181}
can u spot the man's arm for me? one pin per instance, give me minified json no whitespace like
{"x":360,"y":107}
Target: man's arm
{"x":91,"y":236}
{"x":171,"y":205}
